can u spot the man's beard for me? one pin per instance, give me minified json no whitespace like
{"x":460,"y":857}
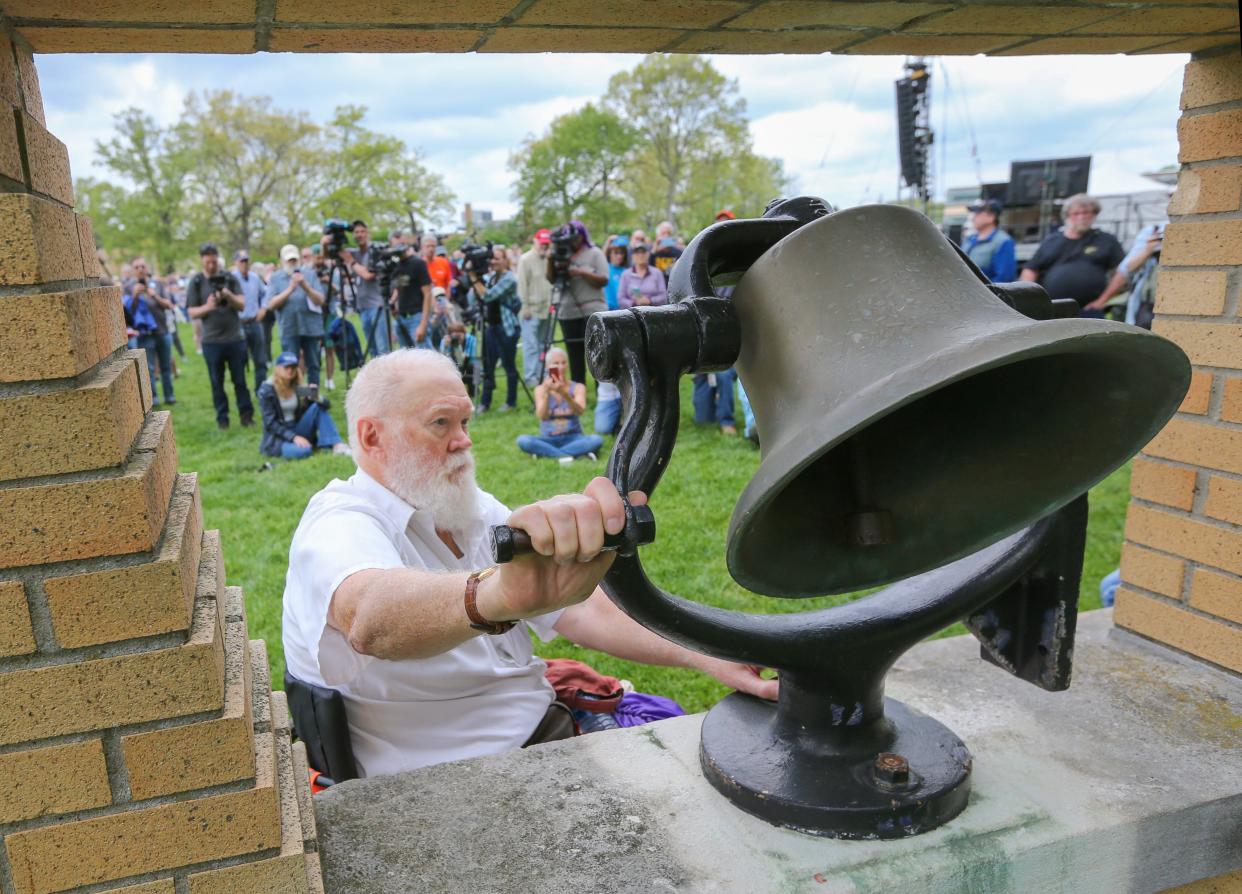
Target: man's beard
{"x":448,"y":491}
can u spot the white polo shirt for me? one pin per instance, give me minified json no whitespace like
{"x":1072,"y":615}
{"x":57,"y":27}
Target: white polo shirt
{"x":485,"y":696}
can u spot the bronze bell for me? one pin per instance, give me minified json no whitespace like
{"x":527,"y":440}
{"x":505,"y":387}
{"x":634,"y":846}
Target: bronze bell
{"x":907,"y":416}
{"x":918,"y":425}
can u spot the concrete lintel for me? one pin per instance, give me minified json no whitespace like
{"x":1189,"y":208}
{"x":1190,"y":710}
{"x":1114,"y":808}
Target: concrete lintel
{"x":1129,"y":782}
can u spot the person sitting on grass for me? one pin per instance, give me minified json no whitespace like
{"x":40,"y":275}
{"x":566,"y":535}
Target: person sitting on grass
{"x":558,"y":404}
{"x":295,"y":420}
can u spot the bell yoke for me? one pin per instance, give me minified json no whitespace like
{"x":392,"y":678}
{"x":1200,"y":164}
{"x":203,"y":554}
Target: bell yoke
{"x":918,"y":425}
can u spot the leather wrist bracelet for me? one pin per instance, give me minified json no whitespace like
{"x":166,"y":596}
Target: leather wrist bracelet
{"x":477,"y":621}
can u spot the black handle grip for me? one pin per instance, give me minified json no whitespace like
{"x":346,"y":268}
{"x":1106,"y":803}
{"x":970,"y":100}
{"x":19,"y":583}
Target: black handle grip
{"x":639,"y":530}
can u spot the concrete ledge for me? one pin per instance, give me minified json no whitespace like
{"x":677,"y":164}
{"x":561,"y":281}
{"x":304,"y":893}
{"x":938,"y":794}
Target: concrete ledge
{"x":1130,"y":781}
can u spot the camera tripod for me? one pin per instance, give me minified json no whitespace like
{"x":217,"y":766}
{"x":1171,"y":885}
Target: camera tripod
{"x":549,"y":333}
{"x":346,"y":289}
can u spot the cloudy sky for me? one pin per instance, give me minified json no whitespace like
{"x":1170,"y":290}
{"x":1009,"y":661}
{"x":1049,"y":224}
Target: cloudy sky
{"x":829,"y":118}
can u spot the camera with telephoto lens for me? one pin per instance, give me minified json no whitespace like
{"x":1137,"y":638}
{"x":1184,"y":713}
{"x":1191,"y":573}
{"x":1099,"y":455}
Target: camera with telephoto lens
{"x":562,"y":251}
{"x":383,"y":260}
{"x":478,"y":258}
{"x":338,"y":229}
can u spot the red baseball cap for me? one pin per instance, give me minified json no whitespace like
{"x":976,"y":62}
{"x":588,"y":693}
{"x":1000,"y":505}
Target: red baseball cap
{"x":543,"y":237}
{"x":725,"y":214}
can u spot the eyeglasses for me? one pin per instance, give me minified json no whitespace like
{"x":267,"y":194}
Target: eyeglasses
{"x":1082,"y":212}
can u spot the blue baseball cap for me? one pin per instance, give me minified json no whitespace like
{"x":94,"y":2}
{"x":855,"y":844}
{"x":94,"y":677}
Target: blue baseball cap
{"x":992,"y":206}
{"x":288,"y":358}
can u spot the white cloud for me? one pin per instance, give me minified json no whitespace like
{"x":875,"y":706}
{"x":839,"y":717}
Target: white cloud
{"x":113,"y":87}
{"x":829,"y":118}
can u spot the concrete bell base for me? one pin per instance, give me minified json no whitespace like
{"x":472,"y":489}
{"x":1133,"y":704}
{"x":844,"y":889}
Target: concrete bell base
{"x":1129,"y":782}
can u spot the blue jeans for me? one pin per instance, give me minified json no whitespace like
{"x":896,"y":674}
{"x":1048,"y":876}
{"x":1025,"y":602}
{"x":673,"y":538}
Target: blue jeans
{"x":316,"y":426}
{"x":556,"y":446}
{"x":309,"y":346}
{"x":233,"y":355}
{"x":534,"y":333}
{"x":714,"y":403}
{"x":607,"y":416}
{"x":502,"y":347}
{"x":256,"y":345}
{"x":159,"y":347}
{"x":375,"y":331}
{"x":407,"y":326}
{"x":747,"y":413}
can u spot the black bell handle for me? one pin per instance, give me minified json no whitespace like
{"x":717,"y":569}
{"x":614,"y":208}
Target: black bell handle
{"x":640,"y":529}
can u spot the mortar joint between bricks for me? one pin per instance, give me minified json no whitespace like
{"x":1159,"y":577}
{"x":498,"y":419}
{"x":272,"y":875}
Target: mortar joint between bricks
{"x":1233,"y":292}
{"x":41,"y":618}
{"x":6,"y":873}
{"x":118,"y":771}
{"x":1226,"y":106}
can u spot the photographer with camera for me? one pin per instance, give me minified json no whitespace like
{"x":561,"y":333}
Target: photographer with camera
{"x":581,"y":271}
{"x":496,"y":287}
{"x":559,"y":403}
{"x":215,"y":297}
{"x":295,"y":419}
{"x":156,"y":341}
{"x":411,"y":299}
{"x":296,"y":295}
{"x":361,"y":263}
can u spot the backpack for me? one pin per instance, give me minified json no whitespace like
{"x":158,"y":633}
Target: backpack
{"x":343,"y":335}
{"x":144,"y":320}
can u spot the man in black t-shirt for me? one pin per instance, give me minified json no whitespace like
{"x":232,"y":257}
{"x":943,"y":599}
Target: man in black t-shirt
{"x":219,"y":306}
{"x":411,"y":298}
{"x":1077,"y":261}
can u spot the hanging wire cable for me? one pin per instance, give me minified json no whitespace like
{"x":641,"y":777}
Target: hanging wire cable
{"x":832,"y":138}
{"x":962,"y":108}
{"x":1111,"y":126}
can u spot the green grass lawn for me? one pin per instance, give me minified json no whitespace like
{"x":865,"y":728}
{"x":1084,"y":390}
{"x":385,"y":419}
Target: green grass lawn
{"x":256,"y":512}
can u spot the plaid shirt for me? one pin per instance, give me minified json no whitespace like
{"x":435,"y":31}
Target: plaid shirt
{"x":503,"y":288}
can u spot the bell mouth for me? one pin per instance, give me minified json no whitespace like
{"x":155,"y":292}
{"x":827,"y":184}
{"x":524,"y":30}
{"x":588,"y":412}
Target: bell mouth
{"x":954,"y":452}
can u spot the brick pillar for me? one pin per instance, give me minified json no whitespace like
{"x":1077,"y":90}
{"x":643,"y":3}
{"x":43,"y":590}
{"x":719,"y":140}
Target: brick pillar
{"x":1181,"y":565}
{"x":141,"y":746}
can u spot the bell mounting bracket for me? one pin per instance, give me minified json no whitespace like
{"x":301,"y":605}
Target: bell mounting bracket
{"x":832,"y":756}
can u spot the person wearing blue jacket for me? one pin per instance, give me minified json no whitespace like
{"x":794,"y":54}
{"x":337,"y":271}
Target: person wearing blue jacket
{"x":990,"y":247}
{"x":295,"y":420}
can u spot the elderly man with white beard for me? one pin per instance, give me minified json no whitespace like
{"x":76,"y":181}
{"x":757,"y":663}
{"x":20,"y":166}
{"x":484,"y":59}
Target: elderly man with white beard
{"x":391,"y":598}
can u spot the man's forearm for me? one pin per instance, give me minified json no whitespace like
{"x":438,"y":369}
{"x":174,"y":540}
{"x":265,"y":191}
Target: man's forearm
{"x":1114,"y":286}
{"x":402,"y":612}
{"x":598,"y":624}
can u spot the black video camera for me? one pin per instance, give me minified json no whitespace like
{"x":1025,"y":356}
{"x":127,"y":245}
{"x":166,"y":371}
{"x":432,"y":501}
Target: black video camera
{"x":562,"y":251}
{"x":218,"y":281}
{"x":338,"y":229}
{"x":383,"y":260}
{"x":478,"y":259}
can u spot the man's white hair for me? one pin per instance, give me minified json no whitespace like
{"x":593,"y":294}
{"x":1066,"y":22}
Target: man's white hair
{"x":379,"y":388}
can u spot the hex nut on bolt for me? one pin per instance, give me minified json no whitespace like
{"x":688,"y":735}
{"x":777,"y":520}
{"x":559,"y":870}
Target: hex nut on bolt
{"x":891,"y":769}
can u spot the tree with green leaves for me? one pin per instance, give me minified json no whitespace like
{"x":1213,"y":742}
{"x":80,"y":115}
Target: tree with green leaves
{"x":695,"y":154}
{"x":242,"y":150}
{"x":575,"y":170}
{"x":150,"y":216}
{"x":238,"y":171}
{"x":376,"y":177}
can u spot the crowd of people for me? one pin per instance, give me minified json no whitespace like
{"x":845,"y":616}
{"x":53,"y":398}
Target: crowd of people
{"x":412,"y":292}
{"x":507,"y":309}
